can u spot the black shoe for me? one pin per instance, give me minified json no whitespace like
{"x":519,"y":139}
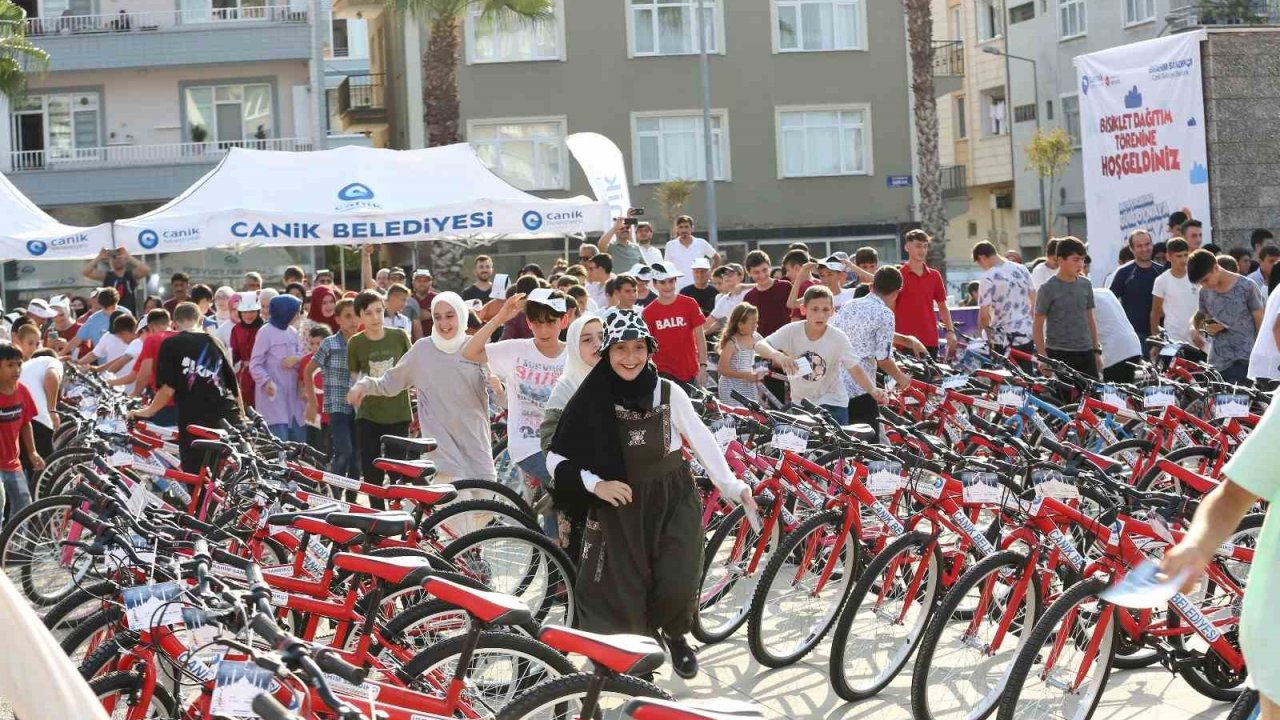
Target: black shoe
{"x":683,"y":660}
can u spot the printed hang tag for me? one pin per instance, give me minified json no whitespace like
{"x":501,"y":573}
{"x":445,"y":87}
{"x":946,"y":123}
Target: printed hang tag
{"x":120,"y":458}
{"x":724,"y":429}
{"x":138,"y":499}
{"x":930,"y":484}
{"x":149,"y":606}
{"x":954,"y":382}
{"x":147,"y":465}
{"x":342,"y":687}
{"x":884,"y":477}
{"x":236,"y":685}
{"x":1052,"y":483}
{"x":340,"y":481}
{"x":201,"y":629}
{"x":790,"y":437}
{"x":1230,"y":406}
{"x":980,"y":487}
{"x":1111,"y":396}
{"x":1161,"y":529}
{"x":803,"y":368}
{"x":1012,"y":396}
{"x":1158,"y":396}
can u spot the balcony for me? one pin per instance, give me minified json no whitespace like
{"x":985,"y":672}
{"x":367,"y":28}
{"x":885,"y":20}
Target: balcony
{"x":123,"y":173}
{"x":948,"y":66}
{"x":362,"y":101}
{"x":171,"y":38}
{"x":955,"y":182}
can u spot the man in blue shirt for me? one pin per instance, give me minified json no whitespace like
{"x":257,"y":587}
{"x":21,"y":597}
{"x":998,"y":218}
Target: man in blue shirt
{"x":1133,"y":283}
{"x":97,"y":324}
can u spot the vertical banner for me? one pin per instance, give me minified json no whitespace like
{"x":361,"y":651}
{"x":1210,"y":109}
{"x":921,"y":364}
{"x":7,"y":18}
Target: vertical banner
{"x":1143,"y":142}
{"x":602,"y":161}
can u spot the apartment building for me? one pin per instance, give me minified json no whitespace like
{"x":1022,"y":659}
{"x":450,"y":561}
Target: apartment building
{"x":811,"y":127}
{"x":974,"y":120}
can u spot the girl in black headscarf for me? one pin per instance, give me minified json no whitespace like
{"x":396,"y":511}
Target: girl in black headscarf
{"x":642,"y":549}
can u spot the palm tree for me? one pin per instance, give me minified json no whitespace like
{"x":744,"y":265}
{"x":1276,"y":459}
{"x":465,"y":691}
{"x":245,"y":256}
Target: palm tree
{"x":18,"y":56}
{"x":933,"y":210}
{"x":440,"y":84}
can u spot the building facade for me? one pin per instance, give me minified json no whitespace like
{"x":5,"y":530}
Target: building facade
{"x":811,"y":120}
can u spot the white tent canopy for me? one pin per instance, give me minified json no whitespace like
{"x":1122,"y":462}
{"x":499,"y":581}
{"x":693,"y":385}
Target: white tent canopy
{"x":352,"y":195}
{"x":28,"y":233}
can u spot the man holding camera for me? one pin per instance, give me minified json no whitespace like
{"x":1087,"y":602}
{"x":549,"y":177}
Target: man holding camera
{"x":619,"y":243}
{"x":117,"y":269}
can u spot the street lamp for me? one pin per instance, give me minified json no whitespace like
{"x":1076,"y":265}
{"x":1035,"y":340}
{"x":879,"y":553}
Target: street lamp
{"x":1035,"y":84}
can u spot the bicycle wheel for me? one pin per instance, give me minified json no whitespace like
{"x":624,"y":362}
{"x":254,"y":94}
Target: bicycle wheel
{"x":726,"y":587}
{"x":788,"y":616}
{"x":1062,"y":669}
{"x":504,"y":666}
{"x":32,"y":553}
{"x":521,"y":563}
{"x":885,"y":616}
{"x":92,"y":632}
{"x":1200,"y":459}
{"x":1245,"y":707}
{"x":1128,"y":453}
{"x":466,"y":516}
{"x":78,"y":605}
{"x":119,"y":695}
{"x":55,"y":465}
{"x":960,"y":665}
{"x":561,"y":699}
{"x":501,"y":493}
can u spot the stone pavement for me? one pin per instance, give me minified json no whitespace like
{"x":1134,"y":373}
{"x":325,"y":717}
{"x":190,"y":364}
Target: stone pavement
{"x":802,"y":691}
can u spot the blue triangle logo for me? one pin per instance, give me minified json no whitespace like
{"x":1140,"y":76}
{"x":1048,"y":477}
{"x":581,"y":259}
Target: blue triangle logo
{"x":355,"y":191}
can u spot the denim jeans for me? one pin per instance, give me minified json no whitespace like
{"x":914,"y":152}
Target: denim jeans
{"x":346,"y":458}
{"x":839,"y":412}
{"x":16,"y":492}
{"x":289,"y":432}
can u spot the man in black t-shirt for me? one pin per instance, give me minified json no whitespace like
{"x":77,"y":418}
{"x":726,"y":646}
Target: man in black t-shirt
{"x":702,"y":290}
{"x":117,"y":269}
{"x":482,"y":288}
{"x":194,"y":370}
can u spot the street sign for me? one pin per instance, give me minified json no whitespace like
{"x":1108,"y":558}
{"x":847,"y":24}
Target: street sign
{"x":898,"y":181}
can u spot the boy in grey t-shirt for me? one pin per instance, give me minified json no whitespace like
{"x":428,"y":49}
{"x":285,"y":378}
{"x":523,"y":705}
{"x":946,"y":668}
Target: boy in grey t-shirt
{"x":1064,"y":327}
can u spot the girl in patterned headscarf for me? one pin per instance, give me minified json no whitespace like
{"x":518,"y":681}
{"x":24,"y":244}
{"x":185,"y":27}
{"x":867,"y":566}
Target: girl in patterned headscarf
{"x":617,"y":451}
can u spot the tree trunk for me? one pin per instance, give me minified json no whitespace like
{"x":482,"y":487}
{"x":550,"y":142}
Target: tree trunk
{"x":933,"y":210}
{"x":441,"y":108}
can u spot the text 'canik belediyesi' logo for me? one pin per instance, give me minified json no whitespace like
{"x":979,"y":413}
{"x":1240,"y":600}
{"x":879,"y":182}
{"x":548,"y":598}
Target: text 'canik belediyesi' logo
{"x":356,"y":196}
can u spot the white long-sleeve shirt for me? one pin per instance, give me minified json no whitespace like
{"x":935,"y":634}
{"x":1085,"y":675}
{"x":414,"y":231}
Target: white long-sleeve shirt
{"x":687,"y":425}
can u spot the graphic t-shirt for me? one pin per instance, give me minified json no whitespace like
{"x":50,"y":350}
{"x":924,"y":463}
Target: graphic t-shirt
{"x":16,"y":410}
{"x":204,"y":386}
{"x":373,"y":358}
{"x":821,"y":381}
{"x":672,"y":326}
{"x":125,"y":286}
{"x":529,"y":377}
{"x":772,"y":304}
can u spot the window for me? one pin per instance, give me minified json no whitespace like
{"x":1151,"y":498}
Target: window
{"x":58,"y":127}
{"x":989,"y":20}
{"x":1029,"y":218}
{"x":1139,"y":11}
{"x":229,"y":114}
{"x":506,"y":37}
{"x":1022,"y":13}
{"x":812,"y":25}
{"x":1071,"y":19}
{"x":1048,"y":109}
{"x":669,"y":146}
{"x":529,"y":153}
{"x":962,"y":119}
{"x":670,"y":27}
{"x":1024,"y":113}
{"x":819,"y":141}
{"x":1071,"y":118}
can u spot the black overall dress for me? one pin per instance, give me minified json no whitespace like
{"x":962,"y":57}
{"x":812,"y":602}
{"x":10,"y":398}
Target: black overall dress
{"x":641,"y":561}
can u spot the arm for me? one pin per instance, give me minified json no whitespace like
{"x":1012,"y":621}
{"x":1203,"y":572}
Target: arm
{"x":125,"y":380}
{"x":1216,"y":518}
{"x":909,"y":341}
{"x":162,"y":398}
{"x":366,"y":266}
{"x":777,"y":357}
{"x":395,"y":381}
{"x":116,"y":364}
{"x":700,"y":344}
{"x":258,"y":361}
{"x":52,"y":381}
{"x":690,"y":426}
{"x":93,"y":269}
{"x":309,"y":389}
{"x":1157,"y":314}
{"x":139,"y":269}
{"x":1093,"y":333}
{"x":1037,"y":333}
{"x":474,"y":350}
{"x":29,"y":444}
{"x":892,"y":370}
{"x":609,"y":235}
{"x":793,"y":298}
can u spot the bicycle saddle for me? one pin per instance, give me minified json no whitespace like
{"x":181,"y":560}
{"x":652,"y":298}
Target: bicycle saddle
{"x":382,"y":524}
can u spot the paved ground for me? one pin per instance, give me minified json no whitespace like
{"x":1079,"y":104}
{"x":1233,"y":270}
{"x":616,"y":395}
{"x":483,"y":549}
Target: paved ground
{"x":802,"y":692}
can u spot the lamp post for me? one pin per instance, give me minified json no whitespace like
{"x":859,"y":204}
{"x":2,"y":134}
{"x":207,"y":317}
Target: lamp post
{"x":1035,"y":84}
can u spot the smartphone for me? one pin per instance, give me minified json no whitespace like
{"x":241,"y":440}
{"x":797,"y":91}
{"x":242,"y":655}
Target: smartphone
{"x":753,"y":519}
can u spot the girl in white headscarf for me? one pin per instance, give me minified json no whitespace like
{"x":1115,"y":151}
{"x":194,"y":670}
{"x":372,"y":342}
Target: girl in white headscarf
{"x":453,"y":404}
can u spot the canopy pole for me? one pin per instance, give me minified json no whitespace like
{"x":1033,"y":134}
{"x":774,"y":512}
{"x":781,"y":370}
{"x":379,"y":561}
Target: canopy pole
{"x":315,"y":264}
{"x":342,"y":266}
{"x":416,"y":243}
{"x":4,"y":291}
{"x":566,"y":248}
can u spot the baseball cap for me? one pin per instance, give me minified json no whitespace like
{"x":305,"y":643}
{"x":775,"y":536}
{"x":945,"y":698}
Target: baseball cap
{"x":60,"y":302}
{"x":544,"y":296}
{"x":249,"y":302}
{"x":422,"y":272}
{"x":40,"y":309}
{"x":640,"y":270}
{"x":701,"y":263}
{"x":661,"y":271}
{"x":835,"y":262}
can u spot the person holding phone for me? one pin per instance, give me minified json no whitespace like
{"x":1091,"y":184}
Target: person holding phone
{"x":1230,"y":312}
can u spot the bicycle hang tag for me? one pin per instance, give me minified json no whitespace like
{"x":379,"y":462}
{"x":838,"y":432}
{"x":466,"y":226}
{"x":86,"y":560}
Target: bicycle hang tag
{"x":955,"y":382}
{"x":884,"y":477}
{"x":235,"y":686}
{"x":340,"y":481}
{"x":342,"y":687}
{"x":149,"y":606}
{"x":138,"y":499}
{"x":1230,"y":406}
{"x":790,"y":437}
{"x":930,"y":484}
{"x":980,"y":487}
{"x":1111,"y":396}
{"x":120,"y":458}
{"x":1052,"y":483}
{"x":1161,"y":529}
{"x":1011,"y":396}
{"x":201,"y":629}
{"x":1158,"y":396}
{"x":725,"y":429}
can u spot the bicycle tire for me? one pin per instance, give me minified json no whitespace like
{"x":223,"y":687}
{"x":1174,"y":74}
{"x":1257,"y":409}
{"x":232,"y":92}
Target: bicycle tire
{"x":761,"y":648}
{"x":1035,"y":648}
{"x":562,"y":691}
{"x":1204,"y":676}
{"x":561,"y":577}
{"x":18,"y":557}
{"x":507,"y":494}
{"x":86,"y":595}
{"x":1204,"y":452}
{"x":1141,"y":446}
{"x":100,"y":625}
{"x":871,"y":577}
{"x":515,"y":517}
{"x":120,"y":683}
{"x":1245,"y":707}
{"x":56,"y":464}
{"x":702,"y":631}
{"x":921,"y":672}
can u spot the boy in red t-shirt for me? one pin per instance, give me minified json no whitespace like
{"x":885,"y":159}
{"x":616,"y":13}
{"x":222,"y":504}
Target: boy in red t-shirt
{"x":17,"y":410}
{"x":676,"y":321}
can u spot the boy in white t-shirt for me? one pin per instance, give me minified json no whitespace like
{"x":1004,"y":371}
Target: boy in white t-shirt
{"x":110,"y":354}
{"x":1174,"y":299}
{"x":813,"y":354}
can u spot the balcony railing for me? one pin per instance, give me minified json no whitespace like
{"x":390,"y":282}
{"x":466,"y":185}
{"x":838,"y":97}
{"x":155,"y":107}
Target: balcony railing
{"x":124,"y":22}
{"x":955,"y":182}
{"x":135,"y":155}
{"x":363,"y":96}
{"x":1193,"y":13}
{"x":948,"y":58}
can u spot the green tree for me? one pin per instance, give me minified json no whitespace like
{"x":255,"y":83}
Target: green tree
{"x":442,"y":113}
{"x":18,"y":57}
{"x":672,"y":196}
{"x":1048,"y":154}
{"x":1233,"y":12}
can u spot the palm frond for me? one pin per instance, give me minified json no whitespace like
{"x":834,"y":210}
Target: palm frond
{"x":18,"y":57}
{"x":530,"y":11}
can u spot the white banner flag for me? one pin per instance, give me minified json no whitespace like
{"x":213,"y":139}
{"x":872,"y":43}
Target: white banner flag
{"x":1143,"y":143}
{"x":602,"y":161}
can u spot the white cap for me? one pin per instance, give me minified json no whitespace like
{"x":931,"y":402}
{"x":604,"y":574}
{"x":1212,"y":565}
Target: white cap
{"x":40,"y":309}
{"x":701,"y":263}
{"x":640,"y":270}
{"x":834,"y":262}
{"x":60,"y":302}
{"x":665,"y":271}
{"x":249,"y":302}
{"x":542,"y":296}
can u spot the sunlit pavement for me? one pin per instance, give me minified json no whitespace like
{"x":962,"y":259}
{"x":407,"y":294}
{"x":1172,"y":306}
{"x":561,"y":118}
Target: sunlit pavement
{"x":802,"y":690}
